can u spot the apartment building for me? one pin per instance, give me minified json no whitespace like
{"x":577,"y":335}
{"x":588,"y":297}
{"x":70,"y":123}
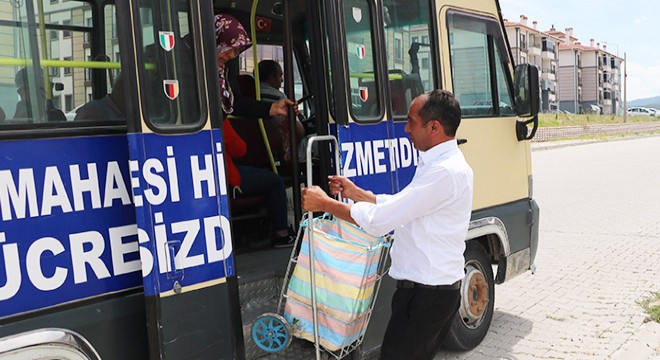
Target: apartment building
{"x":533,"y":46}
{"x":589,"y":76}
{"x":575,"y":77}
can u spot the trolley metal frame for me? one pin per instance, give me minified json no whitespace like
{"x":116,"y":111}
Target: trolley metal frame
{"x":380,"y":271}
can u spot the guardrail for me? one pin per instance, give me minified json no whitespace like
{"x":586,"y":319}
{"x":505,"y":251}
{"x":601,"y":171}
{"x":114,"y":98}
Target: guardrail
{"x":567,"y":132}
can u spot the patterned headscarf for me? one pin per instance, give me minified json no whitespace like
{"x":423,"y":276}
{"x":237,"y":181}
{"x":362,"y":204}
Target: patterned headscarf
{"x":229,"y":34}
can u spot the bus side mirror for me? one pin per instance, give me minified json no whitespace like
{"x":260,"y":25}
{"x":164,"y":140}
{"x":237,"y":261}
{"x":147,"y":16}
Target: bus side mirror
{"x":526,"y":87}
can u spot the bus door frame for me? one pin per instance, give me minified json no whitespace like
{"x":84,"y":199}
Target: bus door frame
{"x":192,"y":310}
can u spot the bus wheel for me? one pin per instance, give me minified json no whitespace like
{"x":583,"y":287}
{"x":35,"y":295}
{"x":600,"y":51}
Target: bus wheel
{"x":475,"y":312}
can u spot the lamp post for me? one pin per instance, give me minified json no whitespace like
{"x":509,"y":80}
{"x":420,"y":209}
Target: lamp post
{"x":625,"y":89}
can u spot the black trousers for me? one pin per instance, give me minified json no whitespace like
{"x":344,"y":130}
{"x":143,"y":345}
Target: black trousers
{"x":420,"y":320}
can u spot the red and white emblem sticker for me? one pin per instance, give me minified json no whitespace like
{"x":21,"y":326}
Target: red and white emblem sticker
{"x":364,"y":93}
{"x":166,"y":40}
{"x":171,"y":88}
{"x":359,"y":51}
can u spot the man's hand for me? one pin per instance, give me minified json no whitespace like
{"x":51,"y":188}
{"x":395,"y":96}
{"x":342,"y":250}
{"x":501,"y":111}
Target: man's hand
{"x":341,"y":184}
{"x":281,"y":108}
{"x":349,"y":190}
{"x":314,"y":199}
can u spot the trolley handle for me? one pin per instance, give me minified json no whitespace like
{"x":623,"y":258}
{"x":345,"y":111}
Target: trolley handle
{"x":308,"y":160}
{"x":310,"y":232}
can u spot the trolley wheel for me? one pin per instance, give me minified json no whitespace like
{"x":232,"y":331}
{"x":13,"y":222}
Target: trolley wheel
{"x":271,"y":332}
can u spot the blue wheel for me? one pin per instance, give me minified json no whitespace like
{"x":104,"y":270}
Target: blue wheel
{"x":271,"y":332}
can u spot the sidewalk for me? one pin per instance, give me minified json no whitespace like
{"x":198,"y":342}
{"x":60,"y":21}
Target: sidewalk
{"x":644,"y":344}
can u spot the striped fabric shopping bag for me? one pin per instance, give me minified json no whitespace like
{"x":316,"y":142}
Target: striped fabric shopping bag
{"x":346,"y":277}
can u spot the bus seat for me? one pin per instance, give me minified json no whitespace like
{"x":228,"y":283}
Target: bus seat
{"x":250,"y":220}
{"x":403,"y":90}
{"x":248,"y":129}
{"x":246,"y":86}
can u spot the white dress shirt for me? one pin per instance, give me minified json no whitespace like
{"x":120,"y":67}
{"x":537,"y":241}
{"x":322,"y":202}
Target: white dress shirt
{"x":430,"y":218}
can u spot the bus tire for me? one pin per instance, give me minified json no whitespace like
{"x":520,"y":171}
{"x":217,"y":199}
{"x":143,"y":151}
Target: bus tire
{"x":475,"y":312}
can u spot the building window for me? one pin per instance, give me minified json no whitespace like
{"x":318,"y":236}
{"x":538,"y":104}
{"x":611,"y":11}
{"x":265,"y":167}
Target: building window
{"x":68,"y":103}
{"x":53,"y":35}
{"x":66,"y":33}
{"x":398,"y":49}
{"x":88,"y":72}
{"x":67,"y":70}
{"x":57,"y":101}
{"x":426,"y":63}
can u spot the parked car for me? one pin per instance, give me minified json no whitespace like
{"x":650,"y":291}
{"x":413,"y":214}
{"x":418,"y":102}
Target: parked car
{"x":641,"y":111}
{"x":655,"y":111}
{"x":72,"y":114}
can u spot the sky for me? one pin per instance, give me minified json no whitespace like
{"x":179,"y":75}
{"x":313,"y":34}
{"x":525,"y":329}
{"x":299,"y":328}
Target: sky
{"x":631,"y":27}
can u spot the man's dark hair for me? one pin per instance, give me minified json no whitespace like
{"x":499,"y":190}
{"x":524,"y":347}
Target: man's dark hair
{"x":441,"y":105}
{"x":268,"y":68}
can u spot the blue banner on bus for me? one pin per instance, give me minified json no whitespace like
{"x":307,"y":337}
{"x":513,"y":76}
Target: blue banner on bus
{"x":379,"y":157}
{"x":181,"y":201}
{"x":68,"y":218}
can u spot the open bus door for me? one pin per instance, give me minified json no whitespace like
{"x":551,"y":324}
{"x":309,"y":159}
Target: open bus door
{"x":177,"y":174}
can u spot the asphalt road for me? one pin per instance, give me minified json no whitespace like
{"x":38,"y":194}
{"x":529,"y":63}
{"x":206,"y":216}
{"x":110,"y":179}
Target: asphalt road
{"x":599,"y":255}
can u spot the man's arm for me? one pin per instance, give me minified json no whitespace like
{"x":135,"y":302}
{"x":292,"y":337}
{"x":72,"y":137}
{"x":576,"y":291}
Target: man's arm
{"x":315,"y":199}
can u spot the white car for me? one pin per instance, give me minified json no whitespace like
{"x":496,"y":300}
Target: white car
{"x":641,"y":111}
{"x":72,"y":114}
{"x":655,"y":111}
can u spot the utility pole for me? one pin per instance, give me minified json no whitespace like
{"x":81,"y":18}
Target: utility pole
{"x":625,"y":89}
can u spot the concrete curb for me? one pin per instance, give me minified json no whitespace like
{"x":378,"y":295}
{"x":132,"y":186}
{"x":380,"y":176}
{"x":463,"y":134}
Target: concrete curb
{"x":644,"y":344}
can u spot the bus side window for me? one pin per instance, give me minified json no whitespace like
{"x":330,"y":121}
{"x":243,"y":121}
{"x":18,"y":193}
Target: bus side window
{"x":364,"y":89}
{"x":409,"y":52}
{"x":472,"y":41}
{"x":171,"y":91}
{"x":52,"y":83}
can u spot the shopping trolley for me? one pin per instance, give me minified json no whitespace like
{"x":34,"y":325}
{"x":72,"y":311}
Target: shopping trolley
{"x":330,"y":285}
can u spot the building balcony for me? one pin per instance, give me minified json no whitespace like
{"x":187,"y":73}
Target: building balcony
{"x":607,"y":102}
{"x":607,"y":86}
{"x":548,"y":76}
{"x":534,"y":50}
{"x":605,"y":66}
{"x":548,"y":55}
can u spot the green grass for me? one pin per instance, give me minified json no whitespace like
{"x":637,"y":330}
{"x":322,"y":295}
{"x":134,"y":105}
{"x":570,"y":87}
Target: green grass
{"x":550,"y":120}
{"x":652,"y":307}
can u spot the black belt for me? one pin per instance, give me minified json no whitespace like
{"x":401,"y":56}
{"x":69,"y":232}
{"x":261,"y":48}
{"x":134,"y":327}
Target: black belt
{"x":407,"y":284}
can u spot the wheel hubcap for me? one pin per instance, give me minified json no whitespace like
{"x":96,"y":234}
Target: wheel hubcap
{"x":474,"y":300}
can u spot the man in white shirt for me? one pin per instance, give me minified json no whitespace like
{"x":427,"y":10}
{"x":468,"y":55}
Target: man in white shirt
{"x":430,"y":219}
